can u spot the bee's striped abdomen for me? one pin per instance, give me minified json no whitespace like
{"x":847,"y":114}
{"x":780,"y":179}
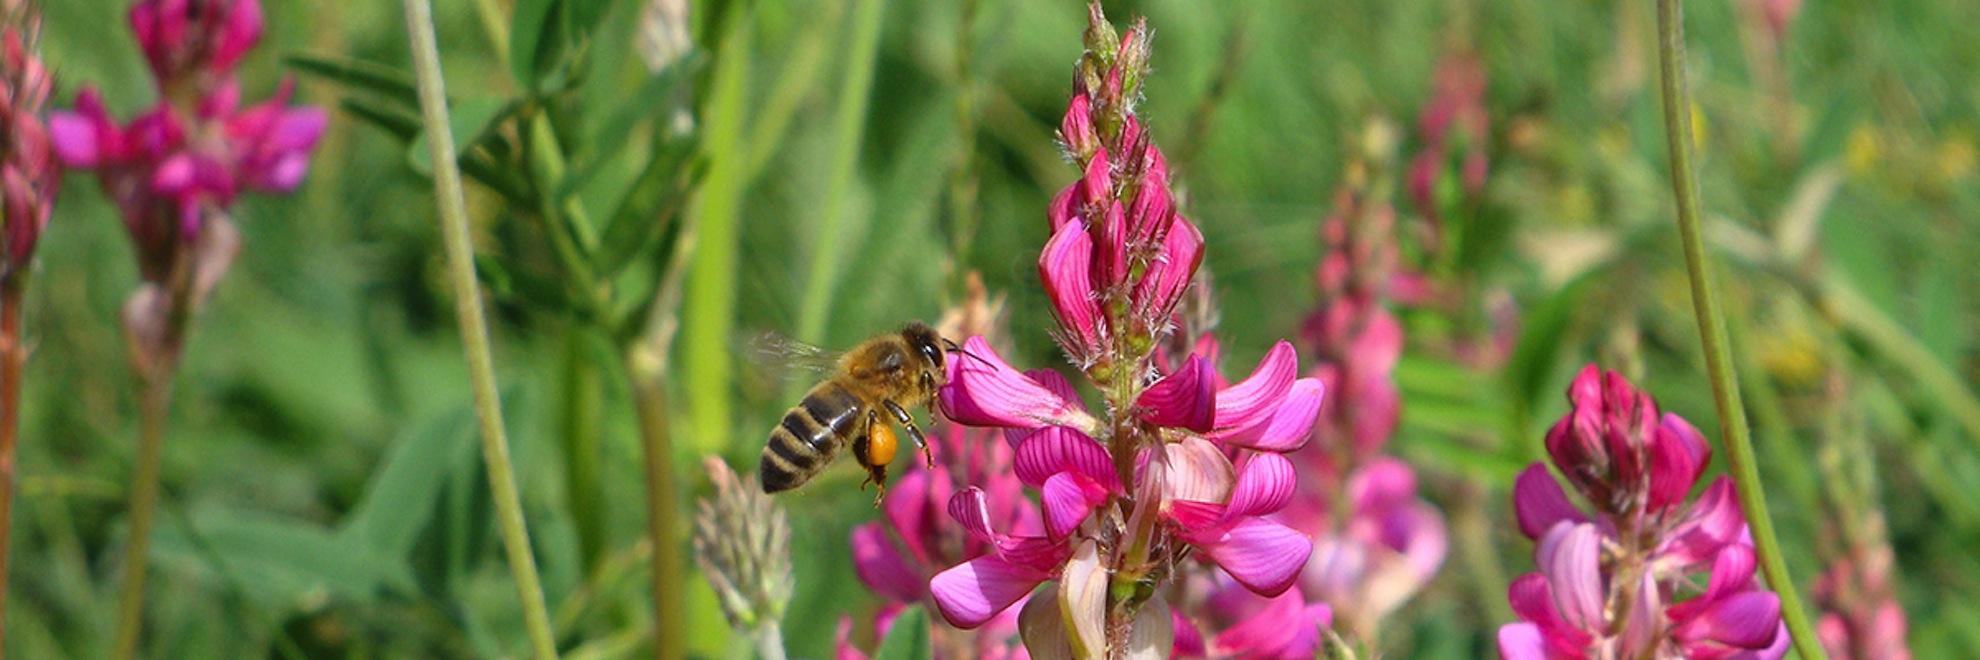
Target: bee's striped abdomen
{"x":809,"y":436}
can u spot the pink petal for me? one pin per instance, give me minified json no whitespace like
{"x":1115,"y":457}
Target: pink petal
{"x":1262,"y":555}
{"x":1198,"y":471}
{"x":1184,"y":399}
{"x":1678,"y":455}
{"x":1153,"y":213}
{"x":76,"y":141}
{"x":1715,"y":520}
{"x":842,"y":648}
{"x":983,"y":390}
{"x":1256,"y":398}
{"x":1065,"y":268}
{"x":1286,"y":628}
{"x":1521,"y":641}
{"x":240,"y":33}
{"x":1748,"y":620}
{"x":1076,"y":129}
{"x":1539,"y":502}
{"x":1055,"y":449}
{"x":1570,"y":557}
{"x":979,"y":589}
{"x":1097,"y":185}
{"x":1289,"y":426}
{"x":1170,"y":272}
{"x":1068,"y":499}
{"x":908,"y":509}
{"x":881,"y":567}
{"x":1110,"y":249}
{"x":1056,"y":382}
{"x":1264,"y":485}
{"x":1732,"y":572}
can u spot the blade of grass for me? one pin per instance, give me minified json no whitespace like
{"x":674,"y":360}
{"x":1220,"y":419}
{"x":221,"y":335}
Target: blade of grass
{"x":848,"y":129}
{"x":1712,"y":328}
{"x":474,"y":326}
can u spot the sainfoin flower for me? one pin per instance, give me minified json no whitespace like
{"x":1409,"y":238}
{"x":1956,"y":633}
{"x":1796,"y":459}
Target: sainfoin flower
{"x":1177,"y":466}
{"x":1861,"y":618}
{"x":1619,"y":579}
{"x":29,"y":173}
{"x":176,"y":170}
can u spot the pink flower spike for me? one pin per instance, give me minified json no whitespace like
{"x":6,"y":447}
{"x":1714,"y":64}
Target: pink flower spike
{"x":1058,"y":449}
{"x":1257,"y":397}
{"x":881,"y":567}
{"x":983,"y":390}
{"x":1184,"y":399}
{"x":1290,"y":426}
{"x":1264,"y":556}
{"x":1539,"y":502}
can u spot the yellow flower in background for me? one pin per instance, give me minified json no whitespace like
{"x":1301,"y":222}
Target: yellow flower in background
{"x":1863,"y":151}
{"x":1955,"y":158}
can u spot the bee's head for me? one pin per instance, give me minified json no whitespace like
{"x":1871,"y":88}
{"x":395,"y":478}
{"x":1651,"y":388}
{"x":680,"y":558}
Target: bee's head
{"x":925,"y":341}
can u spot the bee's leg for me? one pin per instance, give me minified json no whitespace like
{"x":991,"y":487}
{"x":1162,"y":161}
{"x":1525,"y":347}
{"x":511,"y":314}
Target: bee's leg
{"x":874,"y":448}
{"x":914,"y":432}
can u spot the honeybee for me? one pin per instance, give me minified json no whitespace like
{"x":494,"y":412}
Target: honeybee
{"x":870,"y":388}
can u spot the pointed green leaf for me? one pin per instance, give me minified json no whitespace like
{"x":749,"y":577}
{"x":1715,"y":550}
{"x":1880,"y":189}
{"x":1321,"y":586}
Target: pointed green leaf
{"x":390,"y":83}
{"x":908,"y":638}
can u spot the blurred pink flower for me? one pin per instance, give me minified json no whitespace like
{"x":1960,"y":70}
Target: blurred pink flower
{"x":1454,"y":126}
{"x":1640,"y":544}
{"x":30,"y":175}
{"x":1861,"y":618}
{"x":195,"y":43}
{"x":896,"y":556}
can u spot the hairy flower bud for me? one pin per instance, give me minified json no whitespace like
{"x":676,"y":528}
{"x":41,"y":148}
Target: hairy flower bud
{"x":742,"y":541}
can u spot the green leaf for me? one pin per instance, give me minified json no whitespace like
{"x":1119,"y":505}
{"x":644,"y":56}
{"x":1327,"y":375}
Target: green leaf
{"x":535,"y":20}
{"x":470,"y":120}
{"x":908,"y":638}
{"x":649,"y":213}
{"x":383,"y":80}
{"x":281,"y":561}
{"x":609,"y":137}
{"x":1537,"y":355}
{"x":400,"y":501}
{"x":402,"y":124}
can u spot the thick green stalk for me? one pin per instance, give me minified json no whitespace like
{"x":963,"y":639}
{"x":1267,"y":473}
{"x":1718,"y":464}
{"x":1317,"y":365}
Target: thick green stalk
{"x":156,"y":363}
{"x":831,"y":243}
{"x":1712,"y":329}
{"x":474,"y":326}
{"x":13,"y":355}
{"x":155,"y":407}
{"x":709,"y":316}
{"x":645,"y":375}
{"x":583,"y":394}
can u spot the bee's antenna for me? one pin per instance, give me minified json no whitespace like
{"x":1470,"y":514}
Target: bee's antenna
{"x":949,"y":345}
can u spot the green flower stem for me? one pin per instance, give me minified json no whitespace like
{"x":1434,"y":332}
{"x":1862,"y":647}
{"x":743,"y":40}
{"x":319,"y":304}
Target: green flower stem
{"x":155,"y":408}
{"x":1712,"y":329}
{"x":645,"y":373}
{"x":709,"y":317}
{"x":157,"y":362}
{"x":847,"y":130}
{"x":583,"y":402}
{"x":13,"y":355}
{"x":474,"y":326}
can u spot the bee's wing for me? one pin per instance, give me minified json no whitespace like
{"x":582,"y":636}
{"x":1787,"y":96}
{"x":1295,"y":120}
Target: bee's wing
{"x":791,"y":358}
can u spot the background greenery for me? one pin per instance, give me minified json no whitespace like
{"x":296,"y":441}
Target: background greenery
{"x":323,"y":488}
